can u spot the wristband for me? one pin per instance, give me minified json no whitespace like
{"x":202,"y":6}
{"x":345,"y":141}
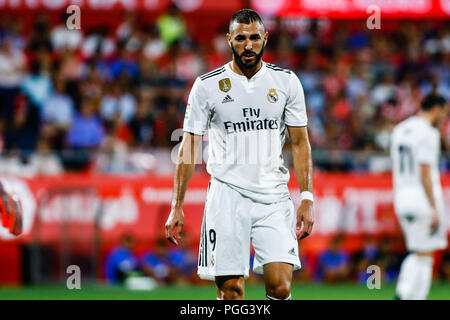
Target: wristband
{"x":306,"y":195}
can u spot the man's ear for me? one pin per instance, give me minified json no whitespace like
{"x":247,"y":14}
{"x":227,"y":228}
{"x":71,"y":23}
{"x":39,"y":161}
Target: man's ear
{"x":229,"y":39}
{"x":266,"y":37}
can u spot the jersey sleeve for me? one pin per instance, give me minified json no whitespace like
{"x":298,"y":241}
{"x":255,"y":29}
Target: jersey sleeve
{"x":428,"y":148}
{"x":295,"y":110}
{"x":197,"y":110}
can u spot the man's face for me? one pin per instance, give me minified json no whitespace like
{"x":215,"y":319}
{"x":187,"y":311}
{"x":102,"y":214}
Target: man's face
{"x":247,"y":41}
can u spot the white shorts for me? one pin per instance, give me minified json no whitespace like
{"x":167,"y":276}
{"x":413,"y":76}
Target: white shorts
{"x":414,"y":215}
{"x":231,"y":222}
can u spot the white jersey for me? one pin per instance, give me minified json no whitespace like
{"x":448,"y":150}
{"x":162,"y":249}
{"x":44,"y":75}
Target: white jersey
{"x":246,"y":121}
{"x":414,"y":142}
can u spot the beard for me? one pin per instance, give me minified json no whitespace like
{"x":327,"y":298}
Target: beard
{"x":247,"y":65}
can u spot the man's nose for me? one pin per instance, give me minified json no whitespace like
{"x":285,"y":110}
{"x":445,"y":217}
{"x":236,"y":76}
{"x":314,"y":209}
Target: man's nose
{"x":249,"y":45}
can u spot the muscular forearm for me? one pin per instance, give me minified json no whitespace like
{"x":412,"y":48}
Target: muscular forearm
{"x":185,"y":168}
{"x":183,"y":174}
{"x":301,"y":154}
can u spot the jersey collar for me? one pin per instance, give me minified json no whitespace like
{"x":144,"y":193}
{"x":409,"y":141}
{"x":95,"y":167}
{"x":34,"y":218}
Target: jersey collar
{"x":239,"y":76}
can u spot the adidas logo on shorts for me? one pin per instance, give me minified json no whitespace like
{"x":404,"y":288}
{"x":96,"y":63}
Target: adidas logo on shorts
{"x":292,"y":251}
{"x":227,"y":99}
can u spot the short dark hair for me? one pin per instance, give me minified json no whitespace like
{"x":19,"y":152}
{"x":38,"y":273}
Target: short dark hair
{"x":246,"y":16}
{"x":431,"y":100}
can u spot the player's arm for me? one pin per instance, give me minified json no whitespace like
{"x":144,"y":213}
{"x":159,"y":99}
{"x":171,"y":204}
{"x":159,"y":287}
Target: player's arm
{"x":301,"y":154}
{"x":425,"y":175}
{"x":185,"y":167}
{"x":194,"y":126}
{"x":10,"y":210}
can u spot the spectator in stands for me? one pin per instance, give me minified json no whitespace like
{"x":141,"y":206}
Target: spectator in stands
{"x":156,"y":264}
{"x":113,"y":153}
{"x":22,"y":132}
{"x":128,"y":33}
{"x":142,"y":125}
{"x":63,"y":38}
{"x":59,"y":108}
{"x":44,"y":161}
{"x":119,"y":101}
{"x":153,"y":46}
{"x":12,"y":70}
{"x":171,"y":25}
{"x":40,"y":38}
{"x":37,"y":85}
{"x":121,"y":261}
{"x":125,"y":63}
{"x":98,"y":44}
{"x":334,"y":262}
{"x":86,"y":131}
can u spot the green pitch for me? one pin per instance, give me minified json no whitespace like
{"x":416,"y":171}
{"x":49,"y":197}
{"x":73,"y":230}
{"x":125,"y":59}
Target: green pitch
{"x":439,"y":291}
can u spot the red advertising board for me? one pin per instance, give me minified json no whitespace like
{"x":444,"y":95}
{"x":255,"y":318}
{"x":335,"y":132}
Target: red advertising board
{"x":353,"y":204}
{"x":55,"y":208}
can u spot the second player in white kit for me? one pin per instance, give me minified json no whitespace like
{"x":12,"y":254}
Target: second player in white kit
{"x":418,"y":196}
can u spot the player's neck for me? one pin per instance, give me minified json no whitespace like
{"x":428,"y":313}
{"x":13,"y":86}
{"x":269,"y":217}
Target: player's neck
{"x":249,"y":72}
{"x":427,"y":116}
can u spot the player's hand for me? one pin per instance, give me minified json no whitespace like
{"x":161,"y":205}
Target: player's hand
{"x":175,"y":220}
{"x":434,"y":220}
{"x":305,"y":219}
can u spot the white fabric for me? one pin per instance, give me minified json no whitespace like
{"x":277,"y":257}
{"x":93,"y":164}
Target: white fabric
{"x":407,"y":277}
{"x":415,"y":142}
{"x":425,"y":277}
{"x":306,"y":195}
{"x":231,"y":222}
{"x":246,"y":120}
{"x":415,"y":277}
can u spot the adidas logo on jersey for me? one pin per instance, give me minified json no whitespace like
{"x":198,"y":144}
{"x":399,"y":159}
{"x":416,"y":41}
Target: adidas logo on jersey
{"x":292,"y":252}
{"x":227,"y":99}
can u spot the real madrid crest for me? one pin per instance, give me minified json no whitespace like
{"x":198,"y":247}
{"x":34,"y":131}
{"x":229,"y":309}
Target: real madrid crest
{"x":272,"y":95}
{"x":225,"y":84}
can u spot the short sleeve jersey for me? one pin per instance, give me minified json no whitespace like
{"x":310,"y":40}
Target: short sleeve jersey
{"x":414,"y":142}
{"x":246,"y":121}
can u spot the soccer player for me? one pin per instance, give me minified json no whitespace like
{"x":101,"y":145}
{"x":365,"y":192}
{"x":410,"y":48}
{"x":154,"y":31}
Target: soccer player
{"x":10,"y":210}
{"x":418,"y":197}
{"x":247,"y":106}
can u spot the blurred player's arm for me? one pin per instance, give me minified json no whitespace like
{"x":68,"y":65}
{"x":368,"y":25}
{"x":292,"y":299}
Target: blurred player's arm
{"x":10,"y":210}
{"x":301,"y":154}
{"x":425,"y":175}
{"x":185,"y":167}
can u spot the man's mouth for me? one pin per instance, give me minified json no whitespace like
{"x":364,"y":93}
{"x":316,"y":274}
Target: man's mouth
{"x":248,"y":57}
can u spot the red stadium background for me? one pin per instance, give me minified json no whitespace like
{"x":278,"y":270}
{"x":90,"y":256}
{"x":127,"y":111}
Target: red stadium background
{"x":94,"y":209}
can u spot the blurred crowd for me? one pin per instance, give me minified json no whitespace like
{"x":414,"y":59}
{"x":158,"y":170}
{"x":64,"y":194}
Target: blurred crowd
{"x":338,"y":263}
{"x":109,"y":99}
